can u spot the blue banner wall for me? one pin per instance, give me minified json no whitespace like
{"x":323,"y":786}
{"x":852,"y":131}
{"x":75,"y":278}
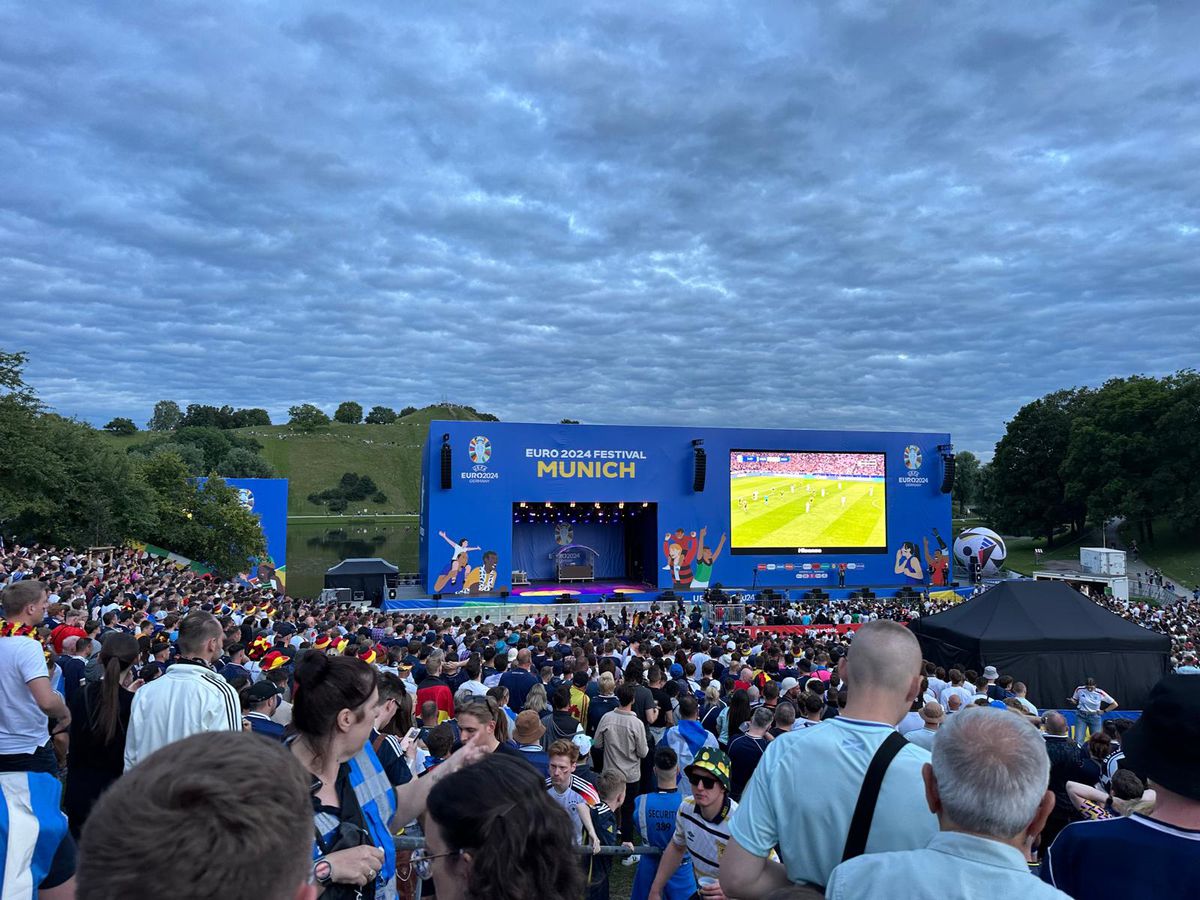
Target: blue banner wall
{"x":267,"y":499}
{"x":894,"y":476}
{"x":533,"y":544}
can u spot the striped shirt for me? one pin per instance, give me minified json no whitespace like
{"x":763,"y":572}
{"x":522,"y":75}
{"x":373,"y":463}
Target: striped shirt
{"x":705,"y":840}
{"x":579,"y":792}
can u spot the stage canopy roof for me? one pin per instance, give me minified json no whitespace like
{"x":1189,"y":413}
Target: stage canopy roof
{"x":1051,"y":637}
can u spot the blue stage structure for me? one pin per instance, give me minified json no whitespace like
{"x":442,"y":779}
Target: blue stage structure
{"x":680,"y":509}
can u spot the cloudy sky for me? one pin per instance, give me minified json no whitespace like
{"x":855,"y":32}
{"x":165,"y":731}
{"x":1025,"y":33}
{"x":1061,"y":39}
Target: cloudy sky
{"x":861,"y":215}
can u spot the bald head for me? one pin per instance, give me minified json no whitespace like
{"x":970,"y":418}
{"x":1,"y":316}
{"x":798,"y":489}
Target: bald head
{"x":1056,"y":723}
{"x":885,"y":656}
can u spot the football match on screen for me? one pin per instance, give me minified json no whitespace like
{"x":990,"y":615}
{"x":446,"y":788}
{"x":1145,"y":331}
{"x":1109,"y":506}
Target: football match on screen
{"x":827,"y":501}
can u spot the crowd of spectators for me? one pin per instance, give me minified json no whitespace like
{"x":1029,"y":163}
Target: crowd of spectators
{"x":815,"y":465}
{"x":166,"y":733}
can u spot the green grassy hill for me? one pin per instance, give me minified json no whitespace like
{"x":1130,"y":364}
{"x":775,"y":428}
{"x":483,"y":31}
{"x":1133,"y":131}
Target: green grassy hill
{"x":312,"y":462}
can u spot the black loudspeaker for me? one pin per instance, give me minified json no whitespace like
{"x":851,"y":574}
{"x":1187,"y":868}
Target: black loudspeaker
{"x":503,"y":593}
{"x":447,"y":466}
{"x":947,"y":473}
{"x":437,"y":596}
{"x":564,"y":598}
{"x":699,"y":468}
{"x":391,"y":593}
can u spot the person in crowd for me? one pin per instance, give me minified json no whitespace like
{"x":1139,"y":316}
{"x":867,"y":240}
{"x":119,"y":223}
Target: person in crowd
{"x":518,"y":680}
{"x":655,"y":815}
{"x":1068,"y":762}
{"x":436,"y":689}
{"x":576,"y":796}
{"x":440,"y":744}
{"x":29,"y":786}
{"x":527,"y":735}
{"x":492,"y":833}
{"x":747,"y":749}
{"x":1090,"y":703}
{"x":71,"y":663}
{"x":354,"y":805}
{"x":258,"y":704}
{"x":611,"y":790}
{"x":1139,"y":855}
{"x":189,"y":698}
{"x":812,"y":711}
{"x":622,"y":737}
{"x":1019,"y":692}
{"x":389,"y":738}
{"x":932,"y":718}
{"x":560,"y":723}
{"x":579,"y":699}
{"x":986,"y":783}
{"x":192,"y":804}
{"x":784,"y":721}
{"x":688,"y":737}
{"x":535,"y":700}
{"x":99,"y":721}
{"x":956,"y":688}
{"x":710,"y":714}
{"x":1125,"y":795}
{"x":824,"y":769}
{"x":733,"y":717}
{"x":604,"y":701}
{"x":701,"y":827}
{"x":482,"y":716}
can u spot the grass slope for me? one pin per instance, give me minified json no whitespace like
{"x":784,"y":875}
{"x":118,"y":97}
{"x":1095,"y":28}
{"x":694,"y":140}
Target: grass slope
{"x":312,"y":462}
{"x":1176,"y":553}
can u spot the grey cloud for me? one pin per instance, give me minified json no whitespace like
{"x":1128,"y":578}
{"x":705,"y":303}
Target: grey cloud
{"x":868,"y":215}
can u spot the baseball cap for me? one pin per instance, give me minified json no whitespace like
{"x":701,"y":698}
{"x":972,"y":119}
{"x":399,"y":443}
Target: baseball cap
{"x":712,"y":762}
{"x":676,"y":670}
{"x":262,"y":690}
{"x":583,"y":742}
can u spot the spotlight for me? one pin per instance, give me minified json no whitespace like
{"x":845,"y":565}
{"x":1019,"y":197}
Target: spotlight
{"x":644,"y":505}
{"x":549,"y":505}
{"x":621,"y":505}
{"x":597,"y":505}
{"x":572,"y":504}
{"x":523,"y":504}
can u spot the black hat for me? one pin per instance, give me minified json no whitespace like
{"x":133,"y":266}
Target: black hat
{"x":262,"y":690}
{"x":1165,"y":742}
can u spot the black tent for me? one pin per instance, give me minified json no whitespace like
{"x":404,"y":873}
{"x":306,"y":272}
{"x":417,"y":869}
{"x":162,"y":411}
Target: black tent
{"x":365,"y":576}
{"x":1051,"y":637}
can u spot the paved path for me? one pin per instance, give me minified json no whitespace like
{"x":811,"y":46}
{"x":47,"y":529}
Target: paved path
{"x":1136,"y":569}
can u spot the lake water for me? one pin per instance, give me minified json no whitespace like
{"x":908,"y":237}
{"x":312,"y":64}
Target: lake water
{"x":312,"y":547}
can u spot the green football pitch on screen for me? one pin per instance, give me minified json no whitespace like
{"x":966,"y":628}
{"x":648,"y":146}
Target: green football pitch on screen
{"x":781,"y":511}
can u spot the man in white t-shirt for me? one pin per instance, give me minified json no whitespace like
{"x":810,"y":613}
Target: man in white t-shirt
{"x":33,"y":836}
{"x":804,"y":791}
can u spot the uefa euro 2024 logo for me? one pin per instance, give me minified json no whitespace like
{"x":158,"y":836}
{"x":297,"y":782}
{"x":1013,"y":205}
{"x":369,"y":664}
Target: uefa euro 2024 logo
{"x":246,"y":498}
{"x":480,"y":450}
{"x":912,"y":457}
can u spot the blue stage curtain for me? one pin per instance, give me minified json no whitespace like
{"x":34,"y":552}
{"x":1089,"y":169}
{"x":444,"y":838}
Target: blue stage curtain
{"x":533,"y":542}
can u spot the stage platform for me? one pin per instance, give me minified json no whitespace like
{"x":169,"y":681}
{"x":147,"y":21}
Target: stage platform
{"x":552,"y":589}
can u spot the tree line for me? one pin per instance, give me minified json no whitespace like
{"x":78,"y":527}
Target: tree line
{"x":63,"y":483}
{"x":1128,"y":449}
{"x":169,"y":416}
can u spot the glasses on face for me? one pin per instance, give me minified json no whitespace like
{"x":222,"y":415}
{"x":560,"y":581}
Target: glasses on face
{"x":422,"y":859}
{"x":702,"y":781}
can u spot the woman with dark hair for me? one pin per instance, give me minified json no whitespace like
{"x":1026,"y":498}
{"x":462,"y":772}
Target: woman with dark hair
{"x":733,"y":717}
{"x":99,"y":719}
{"x":355,"y":806}
{"x":492,"y":833}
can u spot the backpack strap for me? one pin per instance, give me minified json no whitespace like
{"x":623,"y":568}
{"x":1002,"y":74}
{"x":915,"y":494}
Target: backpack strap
{"x":868,"y":796}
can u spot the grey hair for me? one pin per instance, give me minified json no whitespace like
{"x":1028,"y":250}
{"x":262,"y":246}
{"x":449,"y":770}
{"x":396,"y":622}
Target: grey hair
{"x":762,"y":717}
{"x":992,"y":771}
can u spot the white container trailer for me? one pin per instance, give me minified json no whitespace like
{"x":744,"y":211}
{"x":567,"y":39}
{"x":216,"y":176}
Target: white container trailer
{"x":1102,"y":560}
